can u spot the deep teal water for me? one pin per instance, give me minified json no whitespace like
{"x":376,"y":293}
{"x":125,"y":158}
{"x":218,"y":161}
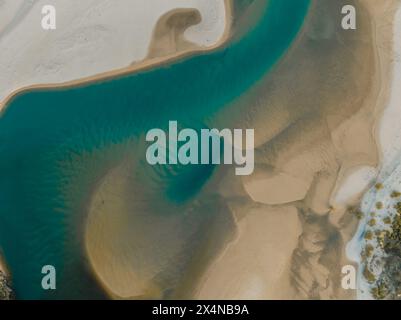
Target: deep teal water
{"x":56,"y":144}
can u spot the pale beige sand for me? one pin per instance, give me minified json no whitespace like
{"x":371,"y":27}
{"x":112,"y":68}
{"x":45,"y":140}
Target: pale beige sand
{"x":163,"y":54}
{"x":113,"y":242}
{"x":350,"y":188}
{"x":383,"y":17}
{"x":125,"y":239}
{"x":113,"y":270}
{"x":92,"y":37}
{"x":390,"y":127}
{"x":168,"y":36}
{"x":140,"y":246}
{"x":388,"y":136}
{"x":314,"y":120}
{"x":257,"y":264}
{"x":314,"y":123}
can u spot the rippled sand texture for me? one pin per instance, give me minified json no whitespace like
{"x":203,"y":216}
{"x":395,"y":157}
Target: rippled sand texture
{"x":138,"y":247}
{"x":168,"y":36}
{"x":376,"y":244}
{"x":314,"y":119}
{"x":92,"y":37}
{"x":271,"y":235}
{"x":110,"y":237}
{"x":177,"y":22}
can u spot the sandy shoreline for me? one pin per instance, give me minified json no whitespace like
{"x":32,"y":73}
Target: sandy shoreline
{"x":144,"y":65}
{"x":387,"y":131}
{"x":256,"y":264}
{"x":140,"y":66}
{"x":337,"y":138}
{"x":292,"y":245}
{"x":383,"y":34}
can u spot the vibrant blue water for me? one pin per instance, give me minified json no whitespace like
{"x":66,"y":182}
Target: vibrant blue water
{"x":56,"y":144}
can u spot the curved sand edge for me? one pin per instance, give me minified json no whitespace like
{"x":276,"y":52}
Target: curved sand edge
{"x":141,"y":66}
{"x":387,"y":135}
{"x":346,"y":142}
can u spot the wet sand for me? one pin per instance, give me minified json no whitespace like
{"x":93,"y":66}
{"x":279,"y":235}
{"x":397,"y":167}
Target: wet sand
{"x":315,"y":120}
{"x":79,"y":55}
{"x":179,"y":21}
{"x":315,"y":123}
{"x":123,"y":276}
{"x":378,"y":207}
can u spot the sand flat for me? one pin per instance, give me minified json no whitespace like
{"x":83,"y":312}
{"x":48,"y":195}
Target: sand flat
{"x":387,"y":133}
{"x":320,"y":130}
{"x":321,"y":145}
{"x":92,"y":38}
{"x":257,"y":264}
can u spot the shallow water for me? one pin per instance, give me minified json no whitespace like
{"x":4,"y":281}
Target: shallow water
{"x":57,"y":144}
